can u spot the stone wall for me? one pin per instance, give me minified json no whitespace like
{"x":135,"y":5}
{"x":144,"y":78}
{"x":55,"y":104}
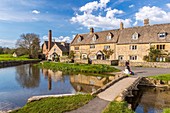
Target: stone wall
{"x":147,"y":64}
{"x":81,"y":61}
{"x":15,"y":63}
{"x":106,"y":62}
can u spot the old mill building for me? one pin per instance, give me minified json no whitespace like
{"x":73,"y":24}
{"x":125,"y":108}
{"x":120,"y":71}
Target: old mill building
{"x":127,"y":43}
{"x":52,"y":50}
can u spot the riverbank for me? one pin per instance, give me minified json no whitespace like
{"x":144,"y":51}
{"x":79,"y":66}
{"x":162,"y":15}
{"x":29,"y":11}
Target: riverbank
{"x":15,"y":63}
{"x":82,"y":68}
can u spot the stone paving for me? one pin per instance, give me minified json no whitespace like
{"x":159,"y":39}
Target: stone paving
{"x":112,"y":92}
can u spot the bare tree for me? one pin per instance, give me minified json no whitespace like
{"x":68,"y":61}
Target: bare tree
{"x":29,"y":44}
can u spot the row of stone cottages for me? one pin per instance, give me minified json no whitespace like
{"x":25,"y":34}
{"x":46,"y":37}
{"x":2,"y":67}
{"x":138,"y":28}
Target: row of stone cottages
{"x":126,"y":43}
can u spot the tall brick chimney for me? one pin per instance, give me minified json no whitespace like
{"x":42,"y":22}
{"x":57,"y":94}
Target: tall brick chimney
{"x":49,"y":39}
{"x":121,"y":26}
{"x":146,"y":22}
{"x":91,"y":30}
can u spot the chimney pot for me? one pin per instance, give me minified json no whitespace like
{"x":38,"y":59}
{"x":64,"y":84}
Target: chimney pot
{"x":91,"y":30}
{"x":121,"y":26}
{"x":146,"y":22}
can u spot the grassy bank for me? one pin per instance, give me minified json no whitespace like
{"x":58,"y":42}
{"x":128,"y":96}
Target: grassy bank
{"x":164,"y":77}
{"x":9,"y":57}
{"x":83,"y":68}
{"x":55,"y":105}
{"x":167,"y":110}
{"x":117,"y":107}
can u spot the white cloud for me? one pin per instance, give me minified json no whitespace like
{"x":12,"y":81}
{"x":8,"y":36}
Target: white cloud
{"x":59,"y":39}
{"x":131,"y":6}
{"x":35,"y":12}
{"x":109,"y":21}
{"x":168,"y":5}
{"x":154,"y":14}
{"x":7,"y":43}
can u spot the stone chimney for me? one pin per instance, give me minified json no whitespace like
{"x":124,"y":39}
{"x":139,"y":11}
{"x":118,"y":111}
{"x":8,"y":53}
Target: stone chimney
{"x":49,"y":39}
{"x":121,"y":26}
{"x":91,"y":30}
{"x":146,"y":22}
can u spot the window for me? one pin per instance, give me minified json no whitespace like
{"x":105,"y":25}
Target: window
{"x":84,"y":56}
{"x":76,"y":48}
{"x":162,"y":35}
{"x":54,"y":49}
{"x":133,"y":57}
{"x":120,"y":57}
{"x":133,"y":47}
{"x":135,"y":36}
{"x":160,"y":47}
{"x":106,"y":47}
{"x":92,"y":46}
{"x":79,"y":39}
{"x":109,"y":37}
{"x":94,"y":38}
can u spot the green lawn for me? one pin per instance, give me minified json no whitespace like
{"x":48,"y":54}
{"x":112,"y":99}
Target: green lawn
{"x":83,"y":68}
{"x":55,"y":105}
{"x":167,"y":110}
{"x":117,"y":107}
{"x":9,"y":57}
{"x":164,"y":77}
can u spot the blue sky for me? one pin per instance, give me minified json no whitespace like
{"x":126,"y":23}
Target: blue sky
{"x":66,"y":18}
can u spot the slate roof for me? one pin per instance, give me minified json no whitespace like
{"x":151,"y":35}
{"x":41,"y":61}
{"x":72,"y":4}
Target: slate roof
{"x":147,"y":34}
{"x":62,"y":48}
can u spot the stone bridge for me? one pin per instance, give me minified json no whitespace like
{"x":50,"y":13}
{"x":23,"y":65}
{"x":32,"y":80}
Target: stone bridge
{"x":120,"y":89}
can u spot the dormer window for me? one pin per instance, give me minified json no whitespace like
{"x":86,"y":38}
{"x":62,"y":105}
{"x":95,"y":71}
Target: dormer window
{"x":162,"y":35}
{"x":135,"y":36}
{"x":109,"y":36}
{"x":94,"y":38}
{"x":79,"y":39}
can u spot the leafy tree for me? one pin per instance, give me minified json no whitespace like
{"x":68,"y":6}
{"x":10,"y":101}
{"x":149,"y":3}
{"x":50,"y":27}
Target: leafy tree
{"x":108,"y":53}
{"x":71,"y":55}
{"x":29,"y":44}
{"x":154,"y":54}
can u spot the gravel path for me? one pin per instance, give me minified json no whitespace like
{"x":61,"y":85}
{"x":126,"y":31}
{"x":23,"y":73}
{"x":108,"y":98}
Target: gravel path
{"x":94,"y":106}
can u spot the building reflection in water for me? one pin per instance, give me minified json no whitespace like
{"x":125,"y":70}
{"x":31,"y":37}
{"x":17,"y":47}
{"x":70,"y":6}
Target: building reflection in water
{"x":27,"y":76}
{"x":88,"y":84}
{"x":52,"y":75}
{"x":80,"y":82}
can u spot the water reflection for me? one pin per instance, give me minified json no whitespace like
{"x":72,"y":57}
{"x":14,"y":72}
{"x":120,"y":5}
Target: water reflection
{"x":150,"y":100}
{"x":28,"y":76}
{"x":88,"y":84}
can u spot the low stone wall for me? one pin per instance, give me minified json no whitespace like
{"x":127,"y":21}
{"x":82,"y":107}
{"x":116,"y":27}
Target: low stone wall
{"x":15,"y":63}
{"x":153,"y":82}
{"x":106,"y":62}
{"x":81,"y":61}
{"x":117,"y":77}
{"x":147,"y":64}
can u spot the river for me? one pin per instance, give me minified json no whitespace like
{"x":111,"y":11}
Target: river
{"x":18,"y":83}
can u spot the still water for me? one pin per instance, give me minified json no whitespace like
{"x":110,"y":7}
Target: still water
{"x":150,"y":100}
{"x":18,"y":83}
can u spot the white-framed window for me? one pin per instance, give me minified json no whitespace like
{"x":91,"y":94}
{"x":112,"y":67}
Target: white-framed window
{"x":120,"y":57}
{"x":133,"y":57}
{"x":162,"y":35}
{"x":109,"y":36}
{"x":94,"y":38}
{"x":92,"y":46}
{"x":79,"y":39}
{"x":133,"y":47}
{"x":135,"y":36}
{"x":106,"y":47}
